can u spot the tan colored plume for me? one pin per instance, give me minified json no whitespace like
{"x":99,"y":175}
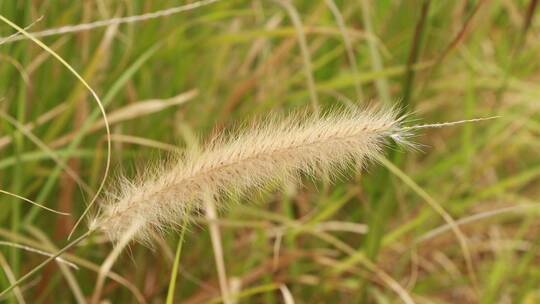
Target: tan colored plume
{"x":277,"y":149}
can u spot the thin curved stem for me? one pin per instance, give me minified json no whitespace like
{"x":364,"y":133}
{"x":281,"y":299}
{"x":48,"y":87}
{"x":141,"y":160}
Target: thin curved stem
{"x":44,"y":263}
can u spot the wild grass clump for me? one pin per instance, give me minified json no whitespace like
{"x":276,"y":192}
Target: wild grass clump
{"x":442,"y":226}
{"x":277,"y":149}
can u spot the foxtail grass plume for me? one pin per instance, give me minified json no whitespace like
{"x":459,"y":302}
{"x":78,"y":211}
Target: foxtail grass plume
{"x":274,"y":150}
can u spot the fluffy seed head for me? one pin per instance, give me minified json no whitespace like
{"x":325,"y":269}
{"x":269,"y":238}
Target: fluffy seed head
{"x":277,"y":149}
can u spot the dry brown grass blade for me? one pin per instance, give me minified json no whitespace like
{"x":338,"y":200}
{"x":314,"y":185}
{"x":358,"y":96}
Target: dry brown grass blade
{"x":286,"y":293}
{"x":477,"y":217}
{"x":462,"y":239}
{"x":381,"y":83}
{"x":386,"y":279}
{"x":132,"y":111}
{"x":76,"y":260}
{"x":460,"y":36}
{"x":146,"y":142}
{"x":533,"y":4}
{"x":217,"y":246}
{"x":348,"y":45}
{"x":108,"y":263}
{"x":37,"y":251}
{"x":68,"y":274}
{"x":32,"y":202}
{"x":275,"y":59}
{"x":306,"y":57}
{"x":24,"y":74}
{"x":109,"y":22}
{"x":11,"y":278}
{"x":44,"y":263}
{"x":52,"y":154}
{"x":414,"y":52}
{"x":44,"y":118}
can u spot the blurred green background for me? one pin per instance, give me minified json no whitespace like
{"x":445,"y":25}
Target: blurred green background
{"x":173,"y":81}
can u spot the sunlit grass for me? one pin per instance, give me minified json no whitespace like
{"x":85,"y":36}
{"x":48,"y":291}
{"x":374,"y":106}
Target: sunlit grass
{"x":371,"y":238}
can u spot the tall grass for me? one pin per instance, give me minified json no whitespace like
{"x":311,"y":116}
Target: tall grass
{"x":414,"y":229}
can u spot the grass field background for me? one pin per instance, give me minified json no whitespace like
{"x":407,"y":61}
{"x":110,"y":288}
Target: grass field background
{"x":172,"y":82}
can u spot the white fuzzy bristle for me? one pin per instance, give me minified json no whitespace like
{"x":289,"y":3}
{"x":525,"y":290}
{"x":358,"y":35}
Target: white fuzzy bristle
{"x":278,"y":149}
